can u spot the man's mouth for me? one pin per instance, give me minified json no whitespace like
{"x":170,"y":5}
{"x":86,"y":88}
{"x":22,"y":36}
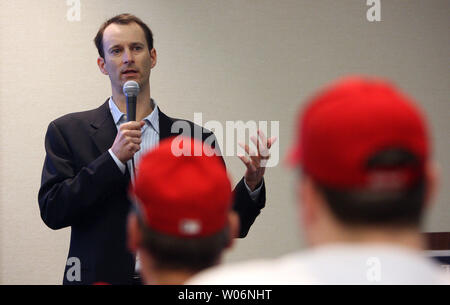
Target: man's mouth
{"x":129,"y":72}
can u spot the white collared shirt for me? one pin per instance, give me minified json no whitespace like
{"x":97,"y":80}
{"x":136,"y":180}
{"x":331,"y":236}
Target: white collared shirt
{"x":150,"y":134}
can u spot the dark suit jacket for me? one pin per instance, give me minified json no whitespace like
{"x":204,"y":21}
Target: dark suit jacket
{"x":83,"y":188}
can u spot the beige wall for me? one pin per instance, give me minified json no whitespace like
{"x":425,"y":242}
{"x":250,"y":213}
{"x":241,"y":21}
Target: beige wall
{"x":231,"y":60}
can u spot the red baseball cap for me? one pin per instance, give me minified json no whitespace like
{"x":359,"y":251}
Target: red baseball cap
{"x":181,"y":195}
{"x":348,"y":122}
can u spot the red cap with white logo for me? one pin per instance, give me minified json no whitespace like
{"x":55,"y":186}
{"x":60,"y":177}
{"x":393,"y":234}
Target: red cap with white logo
{"x":182,"y":192}
{"x":347,"y":123}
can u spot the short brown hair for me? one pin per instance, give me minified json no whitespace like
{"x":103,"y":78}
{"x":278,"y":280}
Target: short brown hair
{"x":177,"y":253}
{"x":122,"y":19}
{"x":394,"y":208}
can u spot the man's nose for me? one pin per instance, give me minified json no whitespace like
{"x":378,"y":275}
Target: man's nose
{"x":128,"y":56}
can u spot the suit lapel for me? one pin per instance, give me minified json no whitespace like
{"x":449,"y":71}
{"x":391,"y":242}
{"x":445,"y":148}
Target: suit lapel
{"x":103,"y":129}
{"x":165,"y":125}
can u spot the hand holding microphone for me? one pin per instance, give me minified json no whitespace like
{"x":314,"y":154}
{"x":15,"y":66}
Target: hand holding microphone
{"x":127,"y":141}
{"x":128,"y":138}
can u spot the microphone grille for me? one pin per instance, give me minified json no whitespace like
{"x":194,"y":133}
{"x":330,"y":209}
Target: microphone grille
{"x":131,"y":88}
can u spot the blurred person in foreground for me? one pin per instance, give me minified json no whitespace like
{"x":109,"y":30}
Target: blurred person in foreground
{"x":365,"y":180}
{"x":183,"y":223}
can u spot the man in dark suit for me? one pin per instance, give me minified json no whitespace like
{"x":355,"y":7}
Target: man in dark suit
{"x":87,"y":166}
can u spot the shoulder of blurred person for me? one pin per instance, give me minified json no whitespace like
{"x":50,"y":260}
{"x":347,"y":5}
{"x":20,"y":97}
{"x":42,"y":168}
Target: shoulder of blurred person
{"x":256,"y":272}
{"x":335,"y":264}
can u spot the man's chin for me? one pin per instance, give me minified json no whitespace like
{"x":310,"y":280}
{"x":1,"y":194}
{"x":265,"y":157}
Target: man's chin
{"x":132,"y":76}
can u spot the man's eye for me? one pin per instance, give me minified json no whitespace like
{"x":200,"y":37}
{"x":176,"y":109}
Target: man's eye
{"x":138,"y":48}
{"x":115,"y":51}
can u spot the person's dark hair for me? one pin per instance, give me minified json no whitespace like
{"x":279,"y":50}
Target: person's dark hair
{"x":178,"y":253}
{"x":122,"y":19}
{"x":399,"y":207}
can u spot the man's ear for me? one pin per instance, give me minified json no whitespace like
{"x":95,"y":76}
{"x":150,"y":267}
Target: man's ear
{"x":101,"y":65}
{"x":313,"y":213}
{"x":432,"y":178}
{"x":306,"y":195}
{"x":153,"y":56}
{"x":233,"y":220}
{"x":134,"y":233}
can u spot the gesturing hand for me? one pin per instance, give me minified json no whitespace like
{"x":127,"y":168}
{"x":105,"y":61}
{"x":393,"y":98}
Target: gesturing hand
{"x":256,"y":162}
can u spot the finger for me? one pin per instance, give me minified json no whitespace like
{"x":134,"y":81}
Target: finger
{"x":247,"y":149}
{"x":132,"y":133}
{"x":132,"y":147}
{"x":259,"y":144}
{"x":134,"y":140}
{"x":263,"y":137}
{"x":255,"y":158}
{"x":263,"y":151}
{"x":136,"y":147}
{"x":131,"y":126}
{"x":262,"y":140}
{"x":247,"y":163}
{"x":271,"y":141}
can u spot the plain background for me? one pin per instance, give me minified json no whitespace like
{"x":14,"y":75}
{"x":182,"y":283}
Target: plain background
{"x":229,"y":59}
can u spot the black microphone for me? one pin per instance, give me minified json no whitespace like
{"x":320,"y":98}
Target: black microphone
{"x":131,"y":90}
